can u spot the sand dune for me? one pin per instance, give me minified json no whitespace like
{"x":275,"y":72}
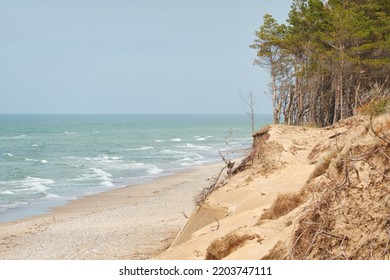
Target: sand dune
{"x":280,"y":206}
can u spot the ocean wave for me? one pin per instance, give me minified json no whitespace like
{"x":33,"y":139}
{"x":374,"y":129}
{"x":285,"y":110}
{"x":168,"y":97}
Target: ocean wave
{"x":44,"y":161}
{"x":172,"y":152}
{"x":196,"y":147}
{"x":5,"y":207}
{"x":8,"y":155}
{"x":159,"y":141}
{"x":141,"y":148}
{"x":154,"y":170}
{"x":35,"y":145}
{"x":103,"y":176}
{"x":103,"y":158}
{"x":28,"y":185}
{"x":184,"y":158}
{"x":192,"y":163}
{"x":107,"y":184}
{"x":53,"y":196}
{"x":68,"y":133}
{"x":95,"y":175}
{"x":202,"y":138}
{"x":7,"y":192}
{"x":22,"y":136}
{"x":176,"y":140}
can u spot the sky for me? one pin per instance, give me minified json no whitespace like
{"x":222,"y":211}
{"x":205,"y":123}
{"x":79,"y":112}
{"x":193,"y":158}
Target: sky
{"x":132,"y":56}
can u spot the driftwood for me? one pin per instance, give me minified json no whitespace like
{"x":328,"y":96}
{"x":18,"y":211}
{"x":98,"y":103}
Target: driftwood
{"x":214,"y":228}
{"x":228,"y":162}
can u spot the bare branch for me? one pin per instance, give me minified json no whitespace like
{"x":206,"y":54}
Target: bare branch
{"x":214,"y":228}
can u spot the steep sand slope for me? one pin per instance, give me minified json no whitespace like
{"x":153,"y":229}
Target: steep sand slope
{"x":290,"y":198}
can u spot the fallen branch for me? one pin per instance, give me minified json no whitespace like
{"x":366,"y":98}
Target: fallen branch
{"x":228,"y":162}
{"x":214,"y":228}
{"x":382,"y":137}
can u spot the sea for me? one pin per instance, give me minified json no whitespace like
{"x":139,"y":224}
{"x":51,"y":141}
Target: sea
{"x":50,"y":160}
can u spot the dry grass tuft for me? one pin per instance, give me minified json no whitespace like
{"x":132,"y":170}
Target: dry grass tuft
{"x":224,"y":246}
{"x":323,"y":164}
{"x":283,"y":204}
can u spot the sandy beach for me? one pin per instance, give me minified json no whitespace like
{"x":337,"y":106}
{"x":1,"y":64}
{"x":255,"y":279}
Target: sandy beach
{"x":133,"y":222}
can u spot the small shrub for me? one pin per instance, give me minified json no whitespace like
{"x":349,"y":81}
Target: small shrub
{"x":376,"y":107}
{"x":283,"y":204}
{"x":224,"y":246}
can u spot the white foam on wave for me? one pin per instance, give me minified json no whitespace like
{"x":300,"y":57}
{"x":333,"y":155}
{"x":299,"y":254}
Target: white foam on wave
{"x":190,"y":163}
{"x":8,"y":155}
{"x":176,"y":140}
{"x":93,"y":174}
{"x":107,"y":184}
{"x":34,"y":145}
{"x":172,"y":153}
{"x":194,"y":159}
{"x":159,"y":141}
{"x":141,"y":148}
{"x":154,"y":170}
{"x":20,"y":136}
{"x":31,"y":185}
{"x":14,"y":205}
{"x":52,"y":196}
{"x":7,"y":192}
{"x":184,"y":158}
{"x":195,"y":147}
{"x":103,"y":158}
{"x":68,"y":133}
{"x":104,"y":175}
{"x":148,"y":168}
{"x":203,"y":138}
{"x":44,"y":161}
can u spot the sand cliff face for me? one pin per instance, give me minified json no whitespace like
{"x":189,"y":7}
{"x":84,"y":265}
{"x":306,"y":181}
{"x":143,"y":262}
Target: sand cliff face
{"x":302,"y":193}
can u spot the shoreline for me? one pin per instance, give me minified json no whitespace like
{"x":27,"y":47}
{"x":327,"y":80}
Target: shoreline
{"x":116,"y":224}
{"x":40,"y":209}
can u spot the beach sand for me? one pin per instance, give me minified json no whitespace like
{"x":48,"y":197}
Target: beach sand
{"x":133,"y":222}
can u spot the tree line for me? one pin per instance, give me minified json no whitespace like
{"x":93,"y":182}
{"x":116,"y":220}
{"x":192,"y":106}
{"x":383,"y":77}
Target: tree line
{"x":328,"y":59}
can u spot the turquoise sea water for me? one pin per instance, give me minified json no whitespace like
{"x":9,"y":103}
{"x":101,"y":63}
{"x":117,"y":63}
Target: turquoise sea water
{"x":48,"y":160}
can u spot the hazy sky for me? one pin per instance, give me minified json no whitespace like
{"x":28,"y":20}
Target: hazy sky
{"x":131,"y":56}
